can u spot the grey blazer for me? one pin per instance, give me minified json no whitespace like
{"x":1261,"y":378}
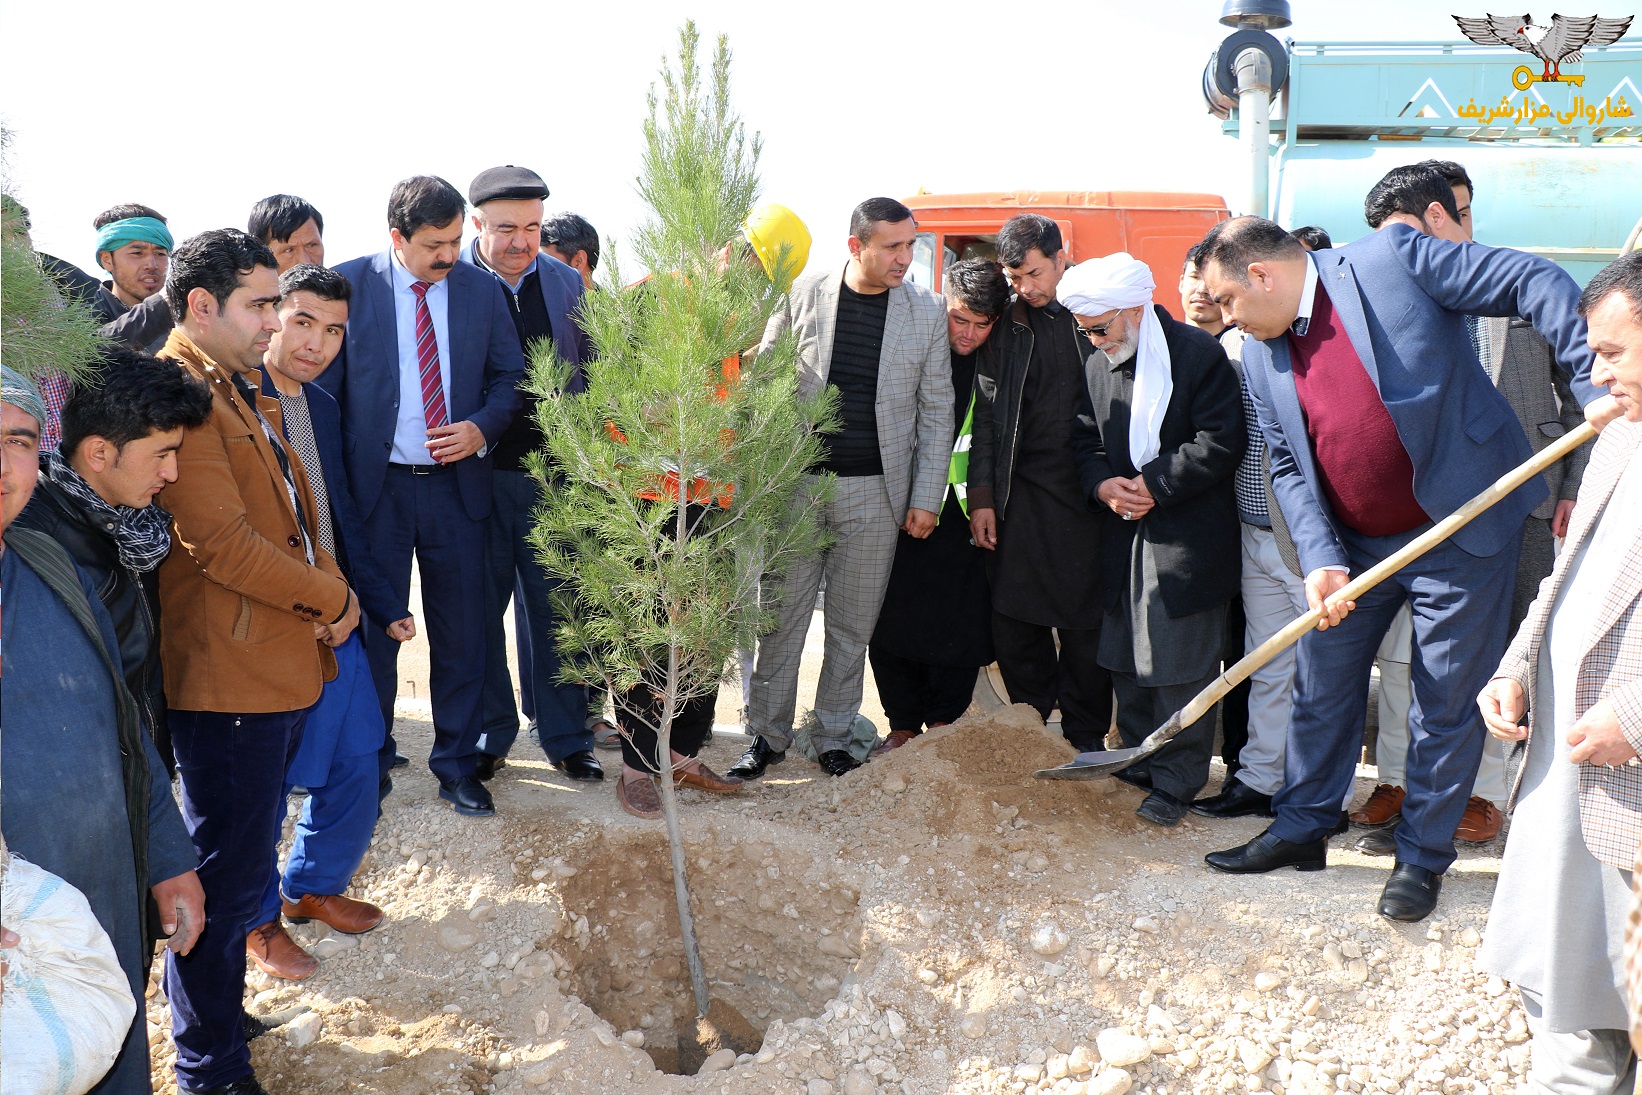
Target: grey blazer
{"x":1521,"y":366}
{"x":914,"y":409}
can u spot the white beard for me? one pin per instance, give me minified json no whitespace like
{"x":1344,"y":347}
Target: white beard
{"x":1125,"y":350}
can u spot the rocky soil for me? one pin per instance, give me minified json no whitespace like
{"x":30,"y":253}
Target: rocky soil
{"x":938,"y":921}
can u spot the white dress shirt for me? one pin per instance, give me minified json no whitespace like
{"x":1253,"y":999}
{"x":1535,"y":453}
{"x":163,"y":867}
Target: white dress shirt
{"x":410,"y":435}
{"x":1308,"y":300}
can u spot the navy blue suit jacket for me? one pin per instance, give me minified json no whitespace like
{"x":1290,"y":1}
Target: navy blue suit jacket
{"x":376,"y":596}
{"x":562,"y":292}
{"x":486,"y":368}
{"x":1402,"y":297}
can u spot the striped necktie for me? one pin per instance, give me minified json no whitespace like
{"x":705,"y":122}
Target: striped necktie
{"x":427,"y":360}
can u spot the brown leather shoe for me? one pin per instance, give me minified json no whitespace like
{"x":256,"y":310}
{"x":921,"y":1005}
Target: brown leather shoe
{"x":277,"y":954}
{"x":896,"y":739}
{"x":345,"y":914}
{"x":639,"y":797}
{"x":1384,"y":804}
{"x":693,"y":773}
{"x":1480,"y":823}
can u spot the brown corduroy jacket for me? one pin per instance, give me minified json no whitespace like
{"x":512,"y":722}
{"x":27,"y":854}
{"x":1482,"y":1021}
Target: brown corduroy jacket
{"x":238,"y":598}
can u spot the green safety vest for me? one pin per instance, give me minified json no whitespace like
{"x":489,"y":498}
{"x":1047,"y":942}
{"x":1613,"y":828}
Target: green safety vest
{"x":957,"y":469}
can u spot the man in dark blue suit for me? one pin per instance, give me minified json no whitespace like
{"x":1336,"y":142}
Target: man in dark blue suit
{"x":336,"y":762}
{"x":542,"y":294}
{"x":1379,"y":420}
{"x":428,"y":380}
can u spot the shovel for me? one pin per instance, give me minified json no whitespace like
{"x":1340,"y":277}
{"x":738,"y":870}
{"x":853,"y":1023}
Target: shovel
{"x":1099,"y":763}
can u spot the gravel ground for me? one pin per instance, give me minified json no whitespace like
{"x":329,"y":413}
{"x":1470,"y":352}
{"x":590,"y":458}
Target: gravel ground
{"x":937,"y":921}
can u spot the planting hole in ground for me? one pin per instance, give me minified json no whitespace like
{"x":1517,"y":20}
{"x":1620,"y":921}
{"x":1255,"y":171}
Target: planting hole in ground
{"x":779,"y":934}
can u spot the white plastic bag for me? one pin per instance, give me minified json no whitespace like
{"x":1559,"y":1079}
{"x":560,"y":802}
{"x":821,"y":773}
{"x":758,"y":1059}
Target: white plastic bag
{"x":67,"y":1005}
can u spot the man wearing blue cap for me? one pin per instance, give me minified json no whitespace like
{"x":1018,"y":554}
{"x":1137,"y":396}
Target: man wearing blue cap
{"x":543,"y":294}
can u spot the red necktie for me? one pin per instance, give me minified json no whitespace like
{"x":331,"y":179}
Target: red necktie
{"x":427,"y":360}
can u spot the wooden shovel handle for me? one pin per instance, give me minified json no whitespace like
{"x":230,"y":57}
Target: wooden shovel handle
{"x":1368,"y":579}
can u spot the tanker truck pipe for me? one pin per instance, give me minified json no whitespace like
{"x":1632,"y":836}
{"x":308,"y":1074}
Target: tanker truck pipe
{"x":1253,"y":69}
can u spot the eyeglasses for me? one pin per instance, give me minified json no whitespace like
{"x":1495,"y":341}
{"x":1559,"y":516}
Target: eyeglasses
{"x":1098,"y":330}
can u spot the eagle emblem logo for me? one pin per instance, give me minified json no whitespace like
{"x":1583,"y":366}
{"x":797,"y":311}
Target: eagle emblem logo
{"x":1559,"y":42}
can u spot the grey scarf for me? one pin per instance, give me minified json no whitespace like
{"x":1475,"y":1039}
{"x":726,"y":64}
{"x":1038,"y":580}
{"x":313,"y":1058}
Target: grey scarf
{"x":142,"y":535}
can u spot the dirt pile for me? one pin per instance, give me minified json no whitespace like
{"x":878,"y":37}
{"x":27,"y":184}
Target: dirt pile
{"x":937,"y":921}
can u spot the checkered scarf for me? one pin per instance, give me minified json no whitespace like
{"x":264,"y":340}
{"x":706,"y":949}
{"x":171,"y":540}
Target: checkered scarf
{"x":143,"y":535}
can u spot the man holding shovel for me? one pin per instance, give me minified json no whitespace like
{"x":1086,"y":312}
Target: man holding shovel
{"x":1379,"y":419}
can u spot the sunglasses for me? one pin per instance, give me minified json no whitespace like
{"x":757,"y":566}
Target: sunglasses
{"x":1098,"y":330}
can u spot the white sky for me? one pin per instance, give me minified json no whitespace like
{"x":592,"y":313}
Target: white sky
{"x":201,"y":107}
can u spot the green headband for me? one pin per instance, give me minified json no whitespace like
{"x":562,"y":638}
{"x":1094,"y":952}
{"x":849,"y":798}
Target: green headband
{"x":116,"y":234}
{"x":20,"y":392}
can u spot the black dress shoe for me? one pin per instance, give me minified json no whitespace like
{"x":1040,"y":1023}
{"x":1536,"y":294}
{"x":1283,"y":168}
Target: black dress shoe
{"x":468,"y":796}
{"x":1410,"y":893}
{"x":1236,"y":799}
{"x":837,"y":762}
{"x":1382,"y":841}
{"x":582,"y":766}
{"x":758,"y":757}
{"x":1342,"y":825}
{"x":1267,"y":853}
{"x":489,"y":764}
{"x":253,"y":1027}
{"x":1162,"y":808}
{"x":245,"y":1085}
{"x":1135,"y":777}
{"x":399,"y":760}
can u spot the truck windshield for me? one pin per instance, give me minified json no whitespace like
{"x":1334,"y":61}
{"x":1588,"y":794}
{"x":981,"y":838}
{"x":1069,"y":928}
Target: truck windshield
{"x":922,"y":270}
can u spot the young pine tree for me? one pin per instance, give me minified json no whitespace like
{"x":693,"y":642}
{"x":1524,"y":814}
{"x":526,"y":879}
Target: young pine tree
{"x":674,"y":481}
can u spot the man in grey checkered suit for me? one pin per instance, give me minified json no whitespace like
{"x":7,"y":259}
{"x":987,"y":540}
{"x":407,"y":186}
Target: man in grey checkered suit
{"x":1557,"y":926}
{"x":883,"y":344}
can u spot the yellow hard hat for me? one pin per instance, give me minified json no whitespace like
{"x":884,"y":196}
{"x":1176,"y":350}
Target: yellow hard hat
{"x":772,"y":228}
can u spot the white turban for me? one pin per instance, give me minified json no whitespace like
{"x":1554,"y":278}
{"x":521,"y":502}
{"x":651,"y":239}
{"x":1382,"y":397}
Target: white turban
{"x":1098,"y":286}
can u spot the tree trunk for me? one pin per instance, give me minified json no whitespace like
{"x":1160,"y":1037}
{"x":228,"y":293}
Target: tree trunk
{"x":669,"y":795}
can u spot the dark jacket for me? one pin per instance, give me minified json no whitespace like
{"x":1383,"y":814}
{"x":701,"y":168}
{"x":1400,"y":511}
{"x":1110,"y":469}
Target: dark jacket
{"x":73,"y":282}
{"x":1194,"y":525}
{"x":132,"y":599}
{"x":376,"y":596}
{"x":144,"y":327}
{"x":1000,"y":376}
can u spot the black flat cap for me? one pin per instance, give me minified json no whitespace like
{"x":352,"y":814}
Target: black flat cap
{"x":507,"y":183}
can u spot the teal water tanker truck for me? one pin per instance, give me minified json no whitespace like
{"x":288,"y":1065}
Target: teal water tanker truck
{"x":1555,"y":147}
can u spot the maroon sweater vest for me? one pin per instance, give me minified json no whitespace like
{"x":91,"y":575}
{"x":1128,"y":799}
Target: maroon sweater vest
{"x":1365,"y":470}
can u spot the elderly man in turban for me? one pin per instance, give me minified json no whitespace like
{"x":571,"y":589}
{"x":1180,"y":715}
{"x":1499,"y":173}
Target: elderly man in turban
{"x":1157,"y":440}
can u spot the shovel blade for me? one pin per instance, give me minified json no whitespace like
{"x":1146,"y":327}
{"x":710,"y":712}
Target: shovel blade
{"x":1094,"y":765}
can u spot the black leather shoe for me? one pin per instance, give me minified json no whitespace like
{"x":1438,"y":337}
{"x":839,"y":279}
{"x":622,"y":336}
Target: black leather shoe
{"x":489,"y":764}
{"x":837,"y":762}
{"x":1382,"y":841}
{"x":245,"y":1085}
{"x":1342,"y":825}
{"x":1410,"y":893}
{"x":253,"y":1027}
{"x":399,"y":760}
{"x":1267,"y":853}
{"x":1162,"y":808}
{"x":468,"y":796}
{"x":582,"y":766}
{"x":758,"y":757}
{"x":1236,"y":799}
{"x":1135,"y":777}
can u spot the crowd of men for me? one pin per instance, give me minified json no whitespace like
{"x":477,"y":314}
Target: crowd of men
{"x":1038,"y":466}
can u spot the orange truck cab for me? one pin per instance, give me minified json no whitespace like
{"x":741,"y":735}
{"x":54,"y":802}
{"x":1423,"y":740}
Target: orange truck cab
{"x":1156,"y":227}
